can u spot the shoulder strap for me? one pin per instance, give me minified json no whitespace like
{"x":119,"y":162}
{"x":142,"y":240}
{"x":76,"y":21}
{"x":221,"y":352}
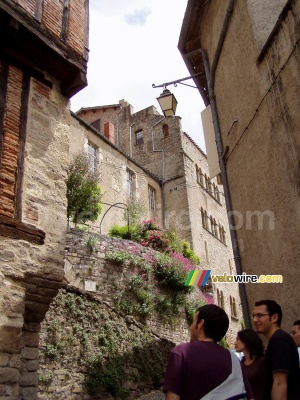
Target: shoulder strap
{"x":232,"y":386}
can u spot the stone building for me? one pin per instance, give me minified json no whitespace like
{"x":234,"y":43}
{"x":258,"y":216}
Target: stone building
{"x":186,"y":199}
{"x":245,"y":55}
{"x":43,"y":62}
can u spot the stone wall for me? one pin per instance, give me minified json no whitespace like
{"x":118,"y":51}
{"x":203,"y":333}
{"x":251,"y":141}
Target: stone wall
{"x":93,"y":272}
{"x":257,"y":102}
{"x":31,"y":270}
{"x":83,"y":310}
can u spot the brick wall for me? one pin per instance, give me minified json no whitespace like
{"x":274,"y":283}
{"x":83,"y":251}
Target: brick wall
{"x":10,"y":141}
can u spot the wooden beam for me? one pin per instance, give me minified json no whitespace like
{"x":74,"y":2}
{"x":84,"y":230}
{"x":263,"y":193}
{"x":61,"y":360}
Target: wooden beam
{"x":39,"y":10}
{"x":18,"y":230}
{"x":3,"y":91}
{"x":22,"y":140}
{"x":65,"y":21}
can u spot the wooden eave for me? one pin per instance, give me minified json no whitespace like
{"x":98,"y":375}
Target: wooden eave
{"x":189,"y":44}
{"x":24,"y":41}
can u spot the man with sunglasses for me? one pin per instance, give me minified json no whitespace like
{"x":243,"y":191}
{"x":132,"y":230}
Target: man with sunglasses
{"x":281,"y":365}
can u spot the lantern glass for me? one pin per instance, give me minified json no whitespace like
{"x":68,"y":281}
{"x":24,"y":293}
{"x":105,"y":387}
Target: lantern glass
{"x":168,"y":103}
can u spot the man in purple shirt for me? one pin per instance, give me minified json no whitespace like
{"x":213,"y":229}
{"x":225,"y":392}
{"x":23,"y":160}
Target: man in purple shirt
{"x":201,"y":368}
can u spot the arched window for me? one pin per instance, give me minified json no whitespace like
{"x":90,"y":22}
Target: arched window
{"x":165,"y":130}
{"x":206,"y":178}
{"x":205,"y":219}
{"x":223,"y":235}
{"x":216,"y":229}
{"x":202,"y":216}
{"x":211,"y":224}
{"x":210,"y":187}
{"x":234,"y":313}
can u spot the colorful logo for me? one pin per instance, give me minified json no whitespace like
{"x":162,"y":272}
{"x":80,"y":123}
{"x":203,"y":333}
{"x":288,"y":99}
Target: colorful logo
{"x":197,"y":277}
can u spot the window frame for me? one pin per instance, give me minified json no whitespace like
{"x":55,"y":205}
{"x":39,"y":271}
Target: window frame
{"x":139,"y":137}
{"x":93,"y":161}
{"x":130,"y":176}
{"x":151,"y":198}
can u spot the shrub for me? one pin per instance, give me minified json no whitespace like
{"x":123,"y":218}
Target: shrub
{"x":132,"y":232}
{"x":189,"y":253}
{"x":134,"y":212}
{"x":83,"y":192}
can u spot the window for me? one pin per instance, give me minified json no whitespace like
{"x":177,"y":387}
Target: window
{"x":199,"y":175}
{"x":151,"y":197}
{"x":165,"y":130}
{"x":96,"y":124}
{"x":233,"y":307}
{"x":130,"y":180}
{"x":220,"y":298}
{"x":210,"y":224}
{"x":139,"y":138}
{"x":92,"y":154}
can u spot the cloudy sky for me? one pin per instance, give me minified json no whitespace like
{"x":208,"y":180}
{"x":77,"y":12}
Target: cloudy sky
{"x":133,"y":44}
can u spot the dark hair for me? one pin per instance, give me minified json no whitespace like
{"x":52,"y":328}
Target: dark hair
{"x":272,"y":308}
{"x":252,"y":342}
{"x":216,"y":321}
{"x":297,"y":322}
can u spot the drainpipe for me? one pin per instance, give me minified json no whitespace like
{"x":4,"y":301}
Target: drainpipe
{"x":121,"y":108}
{"x":163,"y":173}
{"x":210,"y":76}
{"x":130,"y":139}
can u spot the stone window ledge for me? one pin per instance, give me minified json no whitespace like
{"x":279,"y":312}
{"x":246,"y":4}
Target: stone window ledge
{"x":14,"y":229}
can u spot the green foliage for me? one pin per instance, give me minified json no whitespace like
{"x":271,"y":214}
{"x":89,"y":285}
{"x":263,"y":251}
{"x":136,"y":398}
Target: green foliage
{"x":189,"y":253}
{"x":223,"y":343}
{"x":134,"y":212}
{"x":174,"y":242}
{"x":83,"y":192}
{"x":191,"y":307}
{"x":91,"y":243}
{"x":170,"y":273}
{"x":243,"y":325}
{"x":109,"y":368}
{"x":45,"y":379}
{"x":124,"y":232}
{"x":53,"y":351}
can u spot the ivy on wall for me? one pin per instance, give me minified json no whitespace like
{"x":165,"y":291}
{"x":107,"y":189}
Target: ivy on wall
{"x":116,"y":354}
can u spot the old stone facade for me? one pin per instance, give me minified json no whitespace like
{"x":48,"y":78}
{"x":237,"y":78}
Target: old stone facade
{"x":42,"y":64}
{"x":253,"y":86}
{"x":189,"y":201}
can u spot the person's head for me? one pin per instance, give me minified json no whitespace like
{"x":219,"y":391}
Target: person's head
{"x":249,"y":341}
{"x":295,"y":332}
{"x":267,"y":316}
{"x":211,"y":322}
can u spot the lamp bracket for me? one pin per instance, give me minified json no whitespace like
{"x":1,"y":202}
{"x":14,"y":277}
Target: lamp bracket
{"x":164,"y":85}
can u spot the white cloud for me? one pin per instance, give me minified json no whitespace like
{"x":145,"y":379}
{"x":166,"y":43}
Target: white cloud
{"x":125,"y":59}
{"x":137,"y":17}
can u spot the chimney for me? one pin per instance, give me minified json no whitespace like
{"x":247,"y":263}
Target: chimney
{"x":109,"y":131}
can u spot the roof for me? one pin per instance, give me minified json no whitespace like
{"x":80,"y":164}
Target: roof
{"x":98,"y":107}
{"x":90,"y":127}
{"x":189,"y":44}
{"x":195,"y":144}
